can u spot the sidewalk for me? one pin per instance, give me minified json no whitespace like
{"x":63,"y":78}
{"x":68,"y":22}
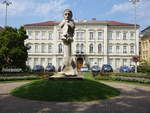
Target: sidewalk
{"x":134,"y":99}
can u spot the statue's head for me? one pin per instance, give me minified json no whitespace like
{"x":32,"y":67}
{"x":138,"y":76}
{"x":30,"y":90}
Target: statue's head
{"x":67,"y":14}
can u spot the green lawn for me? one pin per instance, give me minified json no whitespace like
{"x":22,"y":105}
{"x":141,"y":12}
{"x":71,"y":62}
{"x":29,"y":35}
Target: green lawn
{"x":65,"y":90}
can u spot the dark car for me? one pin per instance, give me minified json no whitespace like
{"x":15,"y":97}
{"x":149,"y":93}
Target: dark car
{"x":84,"y":69}
{"x":38,"y":68}
{"x":50,"y":68}
{"x":95,"y":68}
{"x":125,"y":69}
{"x":107,"y":68}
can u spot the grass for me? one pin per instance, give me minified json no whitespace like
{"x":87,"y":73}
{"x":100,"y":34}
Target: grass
{"x":65,"y":90}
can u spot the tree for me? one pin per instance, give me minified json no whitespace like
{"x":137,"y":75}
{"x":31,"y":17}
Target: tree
{"x":13,"y":52}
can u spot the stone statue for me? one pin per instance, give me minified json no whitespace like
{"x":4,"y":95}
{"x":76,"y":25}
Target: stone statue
{"x":67,"y":26}
{"x":69,"y":69}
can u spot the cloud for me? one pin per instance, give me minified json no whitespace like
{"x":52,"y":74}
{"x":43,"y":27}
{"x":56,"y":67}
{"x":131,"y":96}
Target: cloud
{"x":35,"y":8}
{"x":123,"y":7}
{"x":127,"y":8}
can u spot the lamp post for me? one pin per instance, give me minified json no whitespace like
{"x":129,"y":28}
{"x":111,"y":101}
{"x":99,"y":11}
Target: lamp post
{"x":7,"y":3}
{"x":134,"y":2}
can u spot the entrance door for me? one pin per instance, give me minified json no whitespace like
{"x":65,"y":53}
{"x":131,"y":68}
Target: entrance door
{"x":79,"y":63}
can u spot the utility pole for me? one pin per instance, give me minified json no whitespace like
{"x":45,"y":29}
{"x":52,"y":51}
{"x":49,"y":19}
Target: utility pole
{"x":134,"y":2}
{"x":7,"y":3}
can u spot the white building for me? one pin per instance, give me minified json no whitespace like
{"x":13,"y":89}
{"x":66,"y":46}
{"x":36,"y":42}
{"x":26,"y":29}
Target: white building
{"x":101,"y":42}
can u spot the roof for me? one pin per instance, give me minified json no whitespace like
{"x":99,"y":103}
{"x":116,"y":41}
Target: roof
{"x":146,"y":31}
{"x":111,"y":23}
{"x":47,"y":23}
{"x":119,"y":23}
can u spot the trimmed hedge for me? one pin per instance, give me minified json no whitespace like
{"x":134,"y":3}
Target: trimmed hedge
{"x":122,"y":78}
{"x":13,"y":78}
{"x":26,"y":74}
{"x":144,"y":69}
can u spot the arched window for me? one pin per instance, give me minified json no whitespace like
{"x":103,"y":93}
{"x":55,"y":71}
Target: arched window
{"x":99,"y":48}
{"x":82,"y":48}
{"x":60,"y":48}
{"x":117,"y":48}
{"x":49,"y":48}
{"x":124,"y":48}
{"x":91,"y":48}
{"x":131,"y":48}
{"x":77,"y":48}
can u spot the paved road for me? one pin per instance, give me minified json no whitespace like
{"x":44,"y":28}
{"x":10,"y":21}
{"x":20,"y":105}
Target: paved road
{"x":134,"y":99}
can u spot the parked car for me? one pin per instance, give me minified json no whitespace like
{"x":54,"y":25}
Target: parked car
{"x":84,"y":69}
{"x":107,"y":68}
{"x":50,"y":68}
{"x":125,"y":69}
{"x":95,"y":68}
{"x":38,"y":68}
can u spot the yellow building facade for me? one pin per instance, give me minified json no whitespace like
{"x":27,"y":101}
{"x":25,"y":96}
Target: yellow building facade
{"x":145,"y":48}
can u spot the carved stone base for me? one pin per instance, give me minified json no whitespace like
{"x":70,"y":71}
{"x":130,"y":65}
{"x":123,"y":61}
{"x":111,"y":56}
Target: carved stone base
{"x":62,"y":76}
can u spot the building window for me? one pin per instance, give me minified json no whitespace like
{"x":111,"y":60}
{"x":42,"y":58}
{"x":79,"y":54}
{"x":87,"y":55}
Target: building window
{"x":59,"y":35}
{"x":99,"y":48}
{"x":91,"y":35}
{"x":30,"y":34}
{"x":118,"y":35}
{"x":125,"y":36}
{"x":132,"y":35}
{"x":77,"y":48}
{"x":110,"y":36}
{"x":132,"y":48}
{"x":43,"y":48}
{"x":59,"y":62}
{"x":100,"y":35}
{"x":91,"y":61}
{"x":60,"y":48}
{"x":124,"y":61}
{"x":99,"y":60}
{"x":117,"y":49}
{"x":50,"y":36}
{"x":79,"y":36}
{"x":110,"y":48}
{"x":49,"y":48}
{"x":49,"y":60}
{"x":37,"y":48}
{"x":37,"y":35}
{"x":42,"y":61}
{"x":117,"y":64}
{"x":82,"y":48}
{"x":110,"y":61}
{"x":35,"y":61}
{"x":124,"y":48}
{"x":43,"y":35}
{"x":91,"y":48}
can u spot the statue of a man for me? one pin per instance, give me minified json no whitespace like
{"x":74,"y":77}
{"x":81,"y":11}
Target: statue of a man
{"x":67,"y":26}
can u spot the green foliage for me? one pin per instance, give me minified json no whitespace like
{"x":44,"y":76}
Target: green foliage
{"x":66,"y":90}
{"x":123,"y":78}
{"x":14,"y":78}
{"x":13,"y":52}
{"x":144,"y":69}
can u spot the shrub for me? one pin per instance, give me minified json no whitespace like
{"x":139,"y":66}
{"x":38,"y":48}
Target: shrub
{"x":144,"y":69}
{"x":19,"y":78}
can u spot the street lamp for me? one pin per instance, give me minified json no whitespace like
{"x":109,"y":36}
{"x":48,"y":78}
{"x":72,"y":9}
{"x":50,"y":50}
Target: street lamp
{"x":134,"y":3}
{"x":7,"y":3}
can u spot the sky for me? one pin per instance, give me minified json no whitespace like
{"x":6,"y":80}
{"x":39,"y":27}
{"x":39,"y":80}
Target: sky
{"x":22,"y":12}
